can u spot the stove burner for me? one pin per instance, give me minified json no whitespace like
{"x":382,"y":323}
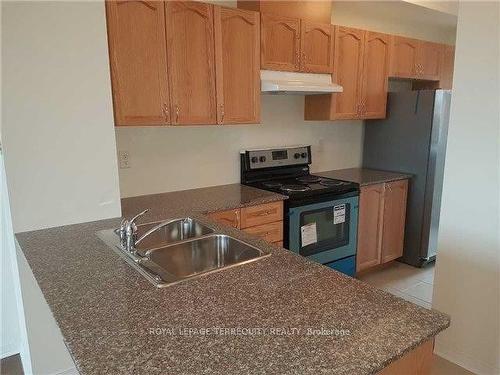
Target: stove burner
{"x":309,"y":179}
{"x":332,"y":183}
{"x":292,"y":188}
{"x":272,"y":184}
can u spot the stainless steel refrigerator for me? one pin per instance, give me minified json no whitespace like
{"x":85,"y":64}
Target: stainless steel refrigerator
{"x":412,"y":139}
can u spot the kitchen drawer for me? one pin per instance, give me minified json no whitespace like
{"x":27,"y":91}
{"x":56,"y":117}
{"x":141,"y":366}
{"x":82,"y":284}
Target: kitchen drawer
{"x":229,"y":217}
{"x":261,"y":214}
{"x":272,"y":232}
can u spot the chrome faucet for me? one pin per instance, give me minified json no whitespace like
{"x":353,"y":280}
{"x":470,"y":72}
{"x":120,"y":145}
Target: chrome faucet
{"x":128,"y":232}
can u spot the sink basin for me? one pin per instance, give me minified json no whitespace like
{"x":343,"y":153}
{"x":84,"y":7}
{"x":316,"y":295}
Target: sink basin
{"x":163,"y":233}
{"x":193,"y":258}
{"x":181,"y":249}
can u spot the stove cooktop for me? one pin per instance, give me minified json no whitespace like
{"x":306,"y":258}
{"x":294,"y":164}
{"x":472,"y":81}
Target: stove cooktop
{"x":307,"y":185}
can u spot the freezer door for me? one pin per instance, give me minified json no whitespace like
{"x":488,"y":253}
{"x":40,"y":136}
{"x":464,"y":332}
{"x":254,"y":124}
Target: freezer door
{"x":401,"y":143}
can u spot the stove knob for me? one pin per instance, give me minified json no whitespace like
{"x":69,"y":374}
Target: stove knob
{"x":262,"y":159}
{"x":304,"y":155}
{"x":296,"y":155}
{"x":254,"y":159}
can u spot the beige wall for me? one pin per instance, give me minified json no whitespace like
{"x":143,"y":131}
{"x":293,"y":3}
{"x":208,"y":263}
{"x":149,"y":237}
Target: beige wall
{"x":173,"y":158}
{"x":57,"y":124}
{"x":396,"y":17}
{"x":467,"y":276}
{"x":58,"y":138}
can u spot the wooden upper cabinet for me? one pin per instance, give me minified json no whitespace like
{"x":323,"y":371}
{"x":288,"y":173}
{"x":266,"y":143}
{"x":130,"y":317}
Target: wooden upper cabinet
{"x":316,"y":45}
{"x":377,"y":52}
{"x":429,"y":60}
{"x":348,"y":68}
{"x":404,"y":57}
{"x":394,"y":219}
{"x":191,"y":62}
{"x":237,"y":50}
{"x":371,"y":208}
{"x":137,"y":52}
{"x":446,"y":79}
{"x":280,"y":43}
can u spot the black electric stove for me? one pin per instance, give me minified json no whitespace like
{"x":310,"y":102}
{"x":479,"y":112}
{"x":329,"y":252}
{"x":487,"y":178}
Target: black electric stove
{"x":320,"y":216}
{"x":286,"y":171}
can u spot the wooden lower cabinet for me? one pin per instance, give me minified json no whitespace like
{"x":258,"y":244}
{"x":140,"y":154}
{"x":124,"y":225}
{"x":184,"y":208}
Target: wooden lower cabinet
{"x":382,"y":213}
{"x":228,"y":217}
{"x":263,"y":220}
{"x":271,"y":232}
{"x":371,"y":211}
{"x":417,"y":362}
{"x":394,"y":220}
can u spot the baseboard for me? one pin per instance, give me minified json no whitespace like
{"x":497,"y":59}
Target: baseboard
{"x":8,"y":353}
{"x":471,"y":364}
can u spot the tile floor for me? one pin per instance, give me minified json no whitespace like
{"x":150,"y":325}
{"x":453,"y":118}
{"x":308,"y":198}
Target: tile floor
{"x":411,"y":283}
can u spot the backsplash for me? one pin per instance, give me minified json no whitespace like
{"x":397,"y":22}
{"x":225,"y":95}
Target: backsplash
{"x":176,"y":158}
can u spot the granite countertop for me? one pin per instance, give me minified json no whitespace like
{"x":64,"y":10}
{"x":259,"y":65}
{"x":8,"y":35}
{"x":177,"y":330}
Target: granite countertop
{"x":209,"y":199}
{"x":364,"y":176}
{"x":288,"y":314}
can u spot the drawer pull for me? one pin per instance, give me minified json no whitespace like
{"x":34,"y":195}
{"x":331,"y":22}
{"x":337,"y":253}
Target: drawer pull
{"x":264,"y":213}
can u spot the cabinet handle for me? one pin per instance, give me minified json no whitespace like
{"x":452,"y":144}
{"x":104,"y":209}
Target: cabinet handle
{"x":177,"y":110}
{"x":165,"y":111}
{"x":222,"y":114}
{"x":264,"y":213}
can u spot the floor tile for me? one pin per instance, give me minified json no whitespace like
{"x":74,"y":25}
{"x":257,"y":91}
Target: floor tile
{"x":441,"y":366}
{"x":422,"y":291}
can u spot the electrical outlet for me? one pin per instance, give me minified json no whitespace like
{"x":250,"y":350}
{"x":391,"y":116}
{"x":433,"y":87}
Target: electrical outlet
{"x":124,"y":159}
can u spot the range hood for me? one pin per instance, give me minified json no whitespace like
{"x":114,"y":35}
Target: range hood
{"x":275,"y":82}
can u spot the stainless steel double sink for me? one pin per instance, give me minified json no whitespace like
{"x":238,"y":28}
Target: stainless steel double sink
{"x":181,"y":249}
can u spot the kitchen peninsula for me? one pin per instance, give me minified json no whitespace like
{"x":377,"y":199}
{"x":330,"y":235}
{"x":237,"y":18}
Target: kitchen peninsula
{"x":311,"y":319}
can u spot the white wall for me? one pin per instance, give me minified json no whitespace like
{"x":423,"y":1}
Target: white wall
{"x":10,"y":342}
{"x":58,"y":137}
{"x":467,"y":276}
{"x":57,"y":123}
{"x":396,"y":17}
{"x":174,"y":158}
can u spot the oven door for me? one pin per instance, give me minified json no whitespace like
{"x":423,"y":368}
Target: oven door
{"x":325,"y":231}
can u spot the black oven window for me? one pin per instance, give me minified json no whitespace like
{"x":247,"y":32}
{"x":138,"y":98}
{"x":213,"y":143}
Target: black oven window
{"x":332,"y":230}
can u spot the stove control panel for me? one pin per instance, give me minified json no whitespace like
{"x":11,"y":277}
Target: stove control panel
{"x":278,"y":157}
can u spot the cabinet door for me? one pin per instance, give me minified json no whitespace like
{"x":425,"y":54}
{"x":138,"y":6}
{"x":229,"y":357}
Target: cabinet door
{"x":371,"y":208}
{"x":137,"y":54}
{"x":446,"y":79}
{"x":347,"y":71}
{"x":237,"y":50}
{"x":191,"y":70}
{"x":316,"y":46}
{"x":272,"y":232}
{"x":404,"y":57}
{"x":261,"y":214}
{"x":280,"y":43}
{"x":375,"y":75}
{"x":394,"y":220}
{"x":429,"y":60}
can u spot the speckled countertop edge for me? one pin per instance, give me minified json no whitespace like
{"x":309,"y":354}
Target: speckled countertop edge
{"x":364,"y":176}
{"x":425,"y":323}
